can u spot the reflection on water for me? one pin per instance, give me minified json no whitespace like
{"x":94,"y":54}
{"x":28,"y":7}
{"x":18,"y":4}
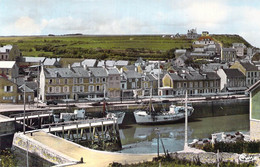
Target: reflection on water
{"x":143,"y":138}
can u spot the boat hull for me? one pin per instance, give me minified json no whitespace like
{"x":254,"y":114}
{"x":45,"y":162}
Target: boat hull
{"x":157,"y":119}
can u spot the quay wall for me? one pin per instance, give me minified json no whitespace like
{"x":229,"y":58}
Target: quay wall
{"x":209,"y":108}
{"x":39,"y":154}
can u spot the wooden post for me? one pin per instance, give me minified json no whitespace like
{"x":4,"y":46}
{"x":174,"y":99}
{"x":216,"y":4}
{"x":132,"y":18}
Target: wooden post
{"x":77,"y":130}
{"x":68,"y":134}
{"x":102,"y":129}
{"x":63,"y":131}
{"x":39,"y":122}
{"x":49,"y":118}
{"x":90,"y":133}
{"x":49,"y":128}
{"x":81,"y":133}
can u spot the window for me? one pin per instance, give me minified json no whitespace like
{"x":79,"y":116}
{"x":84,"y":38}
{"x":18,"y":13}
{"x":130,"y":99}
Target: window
{"x":133,"y":84}
{"x":117,"y":78}
{"x":90,"y":80}
{"x":206,"y":85}
{"x":91,"y":88}
{"x":179,"y":84}
{"x":136,"y":80}
{"x":57,"y":81}
{"x":81,"y":80}
{"x":57,"y":89}
{"x":65,"y":81}
{"x":75,"y":88}
{"x":98,"y":88}
{"x":50,"y":81}
{"x":75,"y":80}
{"x":103,"y":80}
{"x":65,"y":89}
{"x":123,"y":86}
{"x":130,"y":80}
{"x":145,"y":85}
{"x":111,"y":78}
{"x":50,"y":89}
{"x":81,"y":88}
{"x":97,"y":80}
{"x":191,"y":84}
{"x":184,"y":84}
{"x":8,"y":88}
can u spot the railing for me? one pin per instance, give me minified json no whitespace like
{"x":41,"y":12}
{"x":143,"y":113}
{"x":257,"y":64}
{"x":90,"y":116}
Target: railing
{"x":30,"y":114}
{"x":95,"y":120}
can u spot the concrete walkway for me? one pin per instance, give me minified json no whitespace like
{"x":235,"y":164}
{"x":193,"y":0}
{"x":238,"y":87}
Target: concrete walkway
{"x":90,"y":157}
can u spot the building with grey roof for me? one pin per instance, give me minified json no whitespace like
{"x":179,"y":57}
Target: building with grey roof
{"x":228,"y":55}
{"x":232,"y":80}
{"x":194,"y":82}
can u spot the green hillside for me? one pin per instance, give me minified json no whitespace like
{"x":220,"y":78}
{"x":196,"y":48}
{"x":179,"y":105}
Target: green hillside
{"x":107,"y":47}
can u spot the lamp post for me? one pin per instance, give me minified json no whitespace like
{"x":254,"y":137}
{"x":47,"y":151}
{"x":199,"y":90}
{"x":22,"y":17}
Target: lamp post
{"x":24,"y":93}
{"x":186,"y":122}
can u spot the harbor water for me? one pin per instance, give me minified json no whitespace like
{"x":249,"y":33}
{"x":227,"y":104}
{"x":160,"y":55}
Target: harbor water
{"x":143,"y":138}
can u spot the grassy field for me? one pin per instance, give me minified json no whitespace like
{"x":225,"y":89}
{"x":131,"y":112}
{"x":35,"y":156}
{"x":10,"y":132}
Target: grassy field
{"x":105,"y":47}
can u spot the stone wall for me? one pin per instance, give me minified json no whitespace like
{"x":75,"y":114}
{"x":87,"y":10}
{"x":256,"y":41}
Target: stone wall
{"x":254,"y":129}
{"x":21,"y":143}
{"x":208,"y":157}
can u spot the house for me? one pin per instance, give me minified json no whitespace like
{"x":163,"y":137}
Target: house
{"x":180,"y":61}
{"x":251,"y":71}
{"x":113,"y":82}
{"x":179,"y":52}
{"x":106,"y":63}
{"x":10,"y":92}
{"x":9,"y":69}
{"x":232,"y":80}
{"x":56,"y":83}
{"x":10,"y":53}
{"x":228,"y":55}
{"x":192,"y":34}
{"x":140,"y":62}
{"x":133,"y":84}
{"x":98,"y":82}
{"x":149,"y":85}
{"x":254,"y":116}
{"x":51,"y":62}
{"x":239,"y":47}
{"x":121,"y":63}
{"x":89,"y":62}
{"x":194,"y":82}
{"x":204,"y":40}
{"x":213,"y":67}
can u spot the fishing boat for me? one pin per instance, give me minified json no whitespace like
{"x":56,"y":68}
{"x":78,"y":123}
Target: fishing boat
{"x":117,"y":115}
{"x":150,"y":116}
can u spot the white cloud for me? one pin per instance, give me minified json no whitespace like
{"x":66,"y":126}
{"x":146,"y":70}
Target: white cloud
{"x":26,"y":26}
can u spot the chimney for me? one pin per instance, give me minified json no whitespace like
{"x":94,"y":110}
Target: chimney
{"x":69,"y":66}
{"x":85,"y":67}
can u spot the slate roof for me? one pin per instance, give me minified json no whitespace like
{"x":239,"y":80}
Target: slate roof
{"x":50,"y":61}
{"x":113,"y":71}
{"x":150,"y":77}
{"x":89,"y":62}
{"x":249,"y":67}
{"x":98,"y":72}
{"x":121,"y":63}
{"x":62,"y":72}
{"x":231,"y":73}
{"x":194,"y":75}
{"x":130,"y":67}
{"x":7,"y":64}
{"x":81,"y":72}
{"x":22,"y":87}
{"x":3,"y":49}
{"x":133,"y":74}
{"x":34,"y":59}
{"x":109,"y":63}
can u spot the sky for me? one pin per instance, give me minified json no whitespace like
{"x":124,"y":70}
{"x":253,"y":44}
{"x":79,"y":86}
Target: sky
{"x":109,"y":17}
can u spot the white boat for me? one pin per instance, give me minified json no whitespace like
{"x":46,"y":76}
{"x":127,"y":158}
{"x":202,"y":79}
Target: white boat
{"x":175,"y":113}
{"x":119,"y":116}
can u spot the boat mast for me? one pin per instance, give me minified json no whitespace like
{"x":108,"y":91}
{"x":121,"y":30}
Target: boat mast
{"x":186,"y":122}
